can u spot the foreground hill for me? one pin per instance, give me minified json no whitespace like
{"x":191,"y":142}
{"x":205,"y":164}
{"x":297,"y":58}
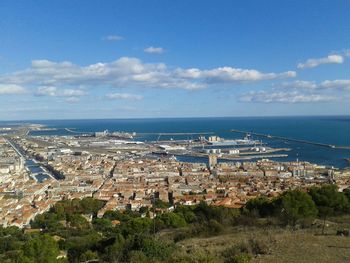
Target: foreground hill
{"x":273,"y":245}
{"x":298,"y":226}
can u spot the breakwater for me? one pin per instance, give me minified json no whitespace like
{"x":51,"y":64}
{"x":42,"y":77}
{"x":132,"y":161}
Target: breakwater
{"x":293,"y":140}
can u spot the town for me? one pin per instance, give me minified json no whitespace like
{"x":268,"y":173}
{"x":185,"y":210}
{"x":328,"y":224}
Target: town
{"x":38,"y":171}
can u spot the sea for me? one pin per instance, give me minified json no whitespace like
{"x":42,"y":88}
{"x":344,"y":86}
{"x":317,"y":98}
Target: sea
{"x":333,"y":130}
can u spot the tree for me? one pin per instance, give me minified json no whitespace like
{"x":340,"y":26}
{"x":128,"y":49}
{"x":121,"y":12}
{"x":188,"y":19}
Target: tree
{"x":262,"y":205}
{"x":160,"y":204}
{"x":294,"y":205}
{"x":114,"y":253}
{"x":102,"y":224}
{"x":329,"y":200}
{"x":89,"y":205}
{"x":186,"y":212}
{"x":136,"y":226}
{"x":173,"y":220}
{"x":347,"y":193}
{"x":88,"y":256}
{"x":137,"y":256}
{"x":78,"y":221}
{"x":41,"y":248}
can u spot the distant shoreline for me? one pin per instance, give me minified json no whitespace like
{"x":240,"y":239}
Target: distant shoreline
{"x":32,"y":121}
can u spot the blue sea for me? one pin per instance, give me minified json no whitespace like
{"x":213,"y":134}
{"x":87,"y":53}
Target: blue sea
{"x":333,"y":130}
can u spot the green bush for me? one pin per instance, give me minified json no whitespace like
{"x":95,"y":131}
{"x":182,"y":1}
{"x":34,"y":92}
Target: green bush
{"x":173,"y":220}
{"x":259,"y":246}
{"x":241,"y":258}
{"x":236,"y":254}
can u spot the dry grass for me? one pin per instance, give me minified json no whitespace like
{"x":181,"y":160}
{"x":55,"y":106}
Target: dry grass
{"x":284,"y":245}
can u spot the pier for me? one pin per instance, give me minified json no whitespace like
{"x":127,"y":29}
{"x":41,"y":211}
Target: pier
{"x":294,"y":140}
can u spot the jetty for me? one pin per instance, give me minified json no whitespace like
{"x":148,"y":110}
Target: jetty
{"x":293,"y":140}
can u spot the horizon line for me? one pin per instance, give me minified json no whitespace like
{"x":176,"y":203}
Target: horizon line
{"x":189,"y":117}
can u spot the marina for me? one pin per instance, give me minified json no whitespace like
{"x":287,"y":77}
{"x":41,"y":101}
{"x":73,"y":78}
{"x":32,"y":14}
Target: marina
{"x":185,"y":131}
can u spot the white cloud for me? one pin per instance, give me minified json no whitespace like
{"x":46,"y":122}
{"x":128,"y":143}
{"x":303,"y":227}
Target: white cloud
{"x":338,"y":84}
{"x":300,"y":91}
{"x":6,"y":89}
{"x":123,"y":96}
{"x":113,"y":38}
{"x":283,"y":97}
{"x":346,"y":53}
{"x":72,"y":93}
{"x":154,"y":50}
{"x":128,"y":72}
{"x":72,"y":99}
{"x":299,"y":84}
{"x":314,"y":62}
{"x":55,"y":92}
{"x":343,"y":84}
{"x":228,"y":75}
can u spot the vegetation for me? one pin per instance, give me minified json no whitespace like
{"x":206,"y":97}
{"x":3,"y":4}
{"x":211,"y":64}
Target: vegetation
{"x":71,"y":231}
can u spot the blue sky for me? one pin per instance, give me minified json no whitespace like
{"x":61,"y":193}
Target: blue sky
{"x":164,"y":58}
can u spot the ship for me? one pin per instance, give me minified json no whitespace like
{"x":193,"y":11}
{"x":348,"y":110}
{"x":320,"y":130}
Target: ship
{"x":217,"y":141}
{"x":173,"y":158}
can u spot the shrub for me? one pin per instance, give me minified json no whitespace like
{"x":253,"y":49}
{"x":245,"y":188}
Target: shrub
{"x":260,"y":206}
{"x":259,"y":246}
{"x":137,"y":257}
{"x":241,"y":258}
{"x":236,"y":254}
{"x":173,"y":220}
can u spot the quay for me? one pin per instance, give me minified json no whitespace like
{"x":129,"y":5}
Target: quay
{"x":36,"y":170}
{"x":249,"y":157}
{"x":174,"y":133}
{"x":160,"y":134}
{"x":232,"y":158}
{"x":294,"y":140}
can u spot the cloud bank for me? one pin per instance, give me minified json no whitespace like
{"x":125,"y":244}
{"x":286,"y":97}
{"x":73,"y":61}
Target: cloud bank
{"x":132,"y":72}
{"x":300,"y":91}
{"x":284,"y":97}
{"x":10,"y":89}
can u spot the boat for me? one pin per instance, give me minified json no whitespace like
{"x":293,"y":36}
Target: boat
{"x":245,"y":141}
{"x":173,"y":158}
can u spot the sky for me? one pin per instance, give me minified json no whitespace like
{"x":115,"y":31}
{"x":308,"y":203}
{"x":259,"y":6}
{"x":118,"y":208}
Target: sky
{"x":69,"y":59}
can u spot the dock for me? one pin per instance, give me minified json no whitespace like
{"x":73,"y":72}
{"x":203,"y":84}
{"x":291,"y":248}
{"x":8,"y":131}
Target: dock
{"x":232,"y":158}
{"x":160,"y":134}
{"x":293,"y":140}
